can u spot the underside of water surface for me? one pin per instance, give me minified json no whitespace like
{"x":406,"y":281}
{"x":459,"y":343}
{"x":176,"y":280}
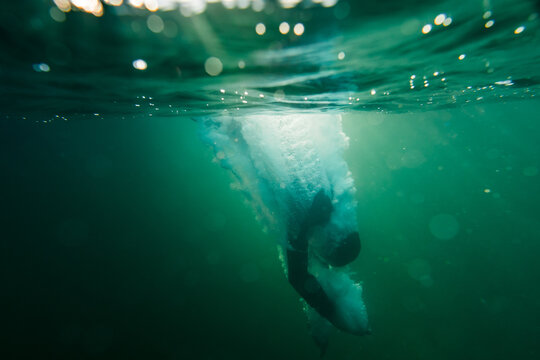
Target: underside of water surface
{"x":395,"y":56}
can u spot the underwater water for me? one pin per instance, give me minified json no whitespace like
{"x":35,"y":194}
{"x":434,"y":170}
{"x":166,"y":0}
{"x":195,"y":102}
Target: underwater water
{"x":124,"y":237}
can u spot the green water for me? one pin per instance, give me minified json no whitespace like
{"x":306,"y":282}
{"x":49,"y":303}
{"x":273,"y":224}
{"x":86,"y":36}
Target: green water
{"x":122,"y":238}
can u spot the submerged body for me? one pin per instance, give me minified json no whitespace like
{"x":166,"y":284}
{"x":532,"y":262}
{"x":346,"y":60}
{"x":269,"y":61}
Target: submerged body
{"x":292,"y":171}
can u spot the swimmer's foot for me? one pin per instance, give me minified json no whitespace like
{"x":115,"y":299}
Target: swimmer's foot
{"x":320,"y":210}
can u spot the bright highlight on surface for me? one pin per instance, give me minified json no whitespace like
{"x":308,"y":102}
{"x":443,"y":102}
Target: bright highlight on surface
{"x":213,"y":66}
{"x":63,"y":5}
{"x":341,"y":55}
{"x":187,"y":7}
{"x":260,"y":29}
{"x":298,"y":29}
{"x":326,"y":3}
{"x":284,"y":27}
{"x":289,"y":4}
{"x":519,"y":30}
{"x":151,"y":5}
{"x":90,"y":6}
{"x":507,"y":82}
{"x":136,"y":3}
{"x":489,"y":24}
{"x":447,"y":21}
{"x":462,"y":56}
{"x":426,"y":29}
{"x":140,"y":64}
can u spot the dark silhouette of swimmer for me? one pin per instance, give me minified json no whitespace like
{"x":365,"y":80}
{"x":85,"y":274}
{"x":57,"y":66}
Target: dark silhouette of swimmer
{"x":297,"y":257}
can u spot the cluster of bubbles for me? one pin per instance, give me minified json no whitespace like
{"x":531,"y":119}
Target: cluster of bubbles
{"x":284,"y":28}
{"x":441,"y":19}
{"x":445,"y":20}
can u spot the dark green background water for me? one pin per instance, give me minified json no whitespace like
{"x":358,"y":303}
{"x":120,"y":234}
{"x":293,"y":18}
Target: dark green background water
{"x":120,"y":238}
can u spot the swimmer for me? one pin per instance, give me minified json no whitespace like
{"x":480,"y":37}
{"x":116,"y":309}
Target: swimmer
{"x":307,"y":285}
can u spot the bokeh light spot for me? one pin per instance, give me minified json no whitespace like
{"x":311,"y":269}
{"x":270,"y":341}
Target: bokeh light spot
{"x":298,"y":29}
{"x":140,"y":64}
{"x":426,"y":29}
{"x":439,"y":19}
{"x":213,"y":66}
{"x":284,"y":27}
{"x":155,"y":23}
{"x":260,"y":29}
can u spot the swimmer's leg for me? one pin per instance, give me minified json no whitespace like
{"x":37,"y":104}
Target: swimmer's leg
{"x":318,"y":214}
{"x":306,"y":285}
{"x":320,"y":210}
{"x":297,"y":257}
